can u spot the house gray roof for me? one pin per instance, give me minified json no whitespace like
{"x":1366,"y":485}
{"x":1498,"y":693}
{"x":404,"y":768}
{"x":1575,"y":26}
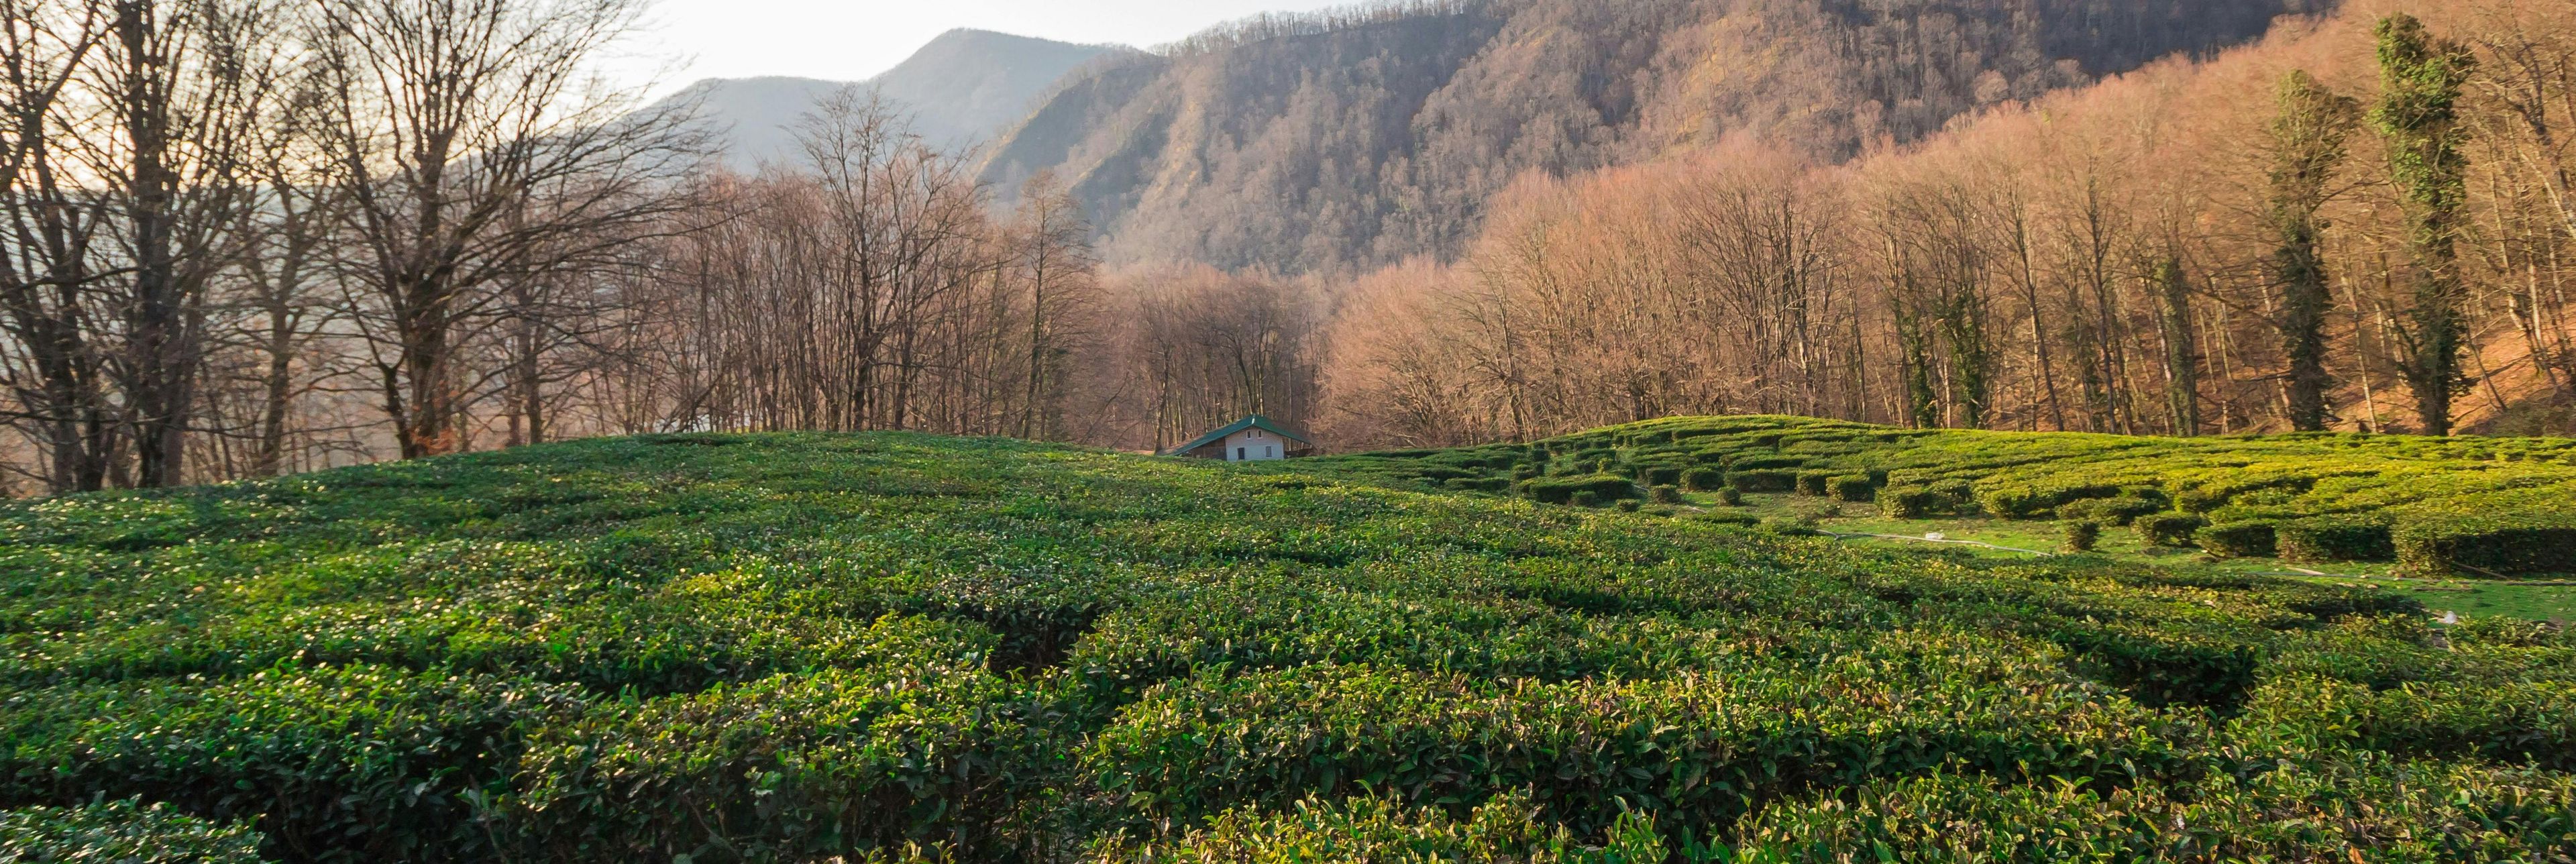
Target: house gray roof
{"x":1255,"y":421}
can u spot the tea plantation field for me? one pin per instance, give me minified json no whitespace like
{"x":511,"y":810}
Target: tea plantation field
{"x":897,"y":647}
{"x":2494,"y":518}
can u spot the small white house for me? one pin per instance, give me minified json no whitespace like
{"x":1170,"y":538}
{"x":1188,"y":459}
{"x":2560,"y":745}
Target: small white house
{"x":1251,"y":439}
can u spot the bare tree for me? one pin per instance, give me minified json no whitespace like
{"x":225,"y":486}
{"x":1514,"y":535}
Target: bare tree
{"x":475,"y":148}
{"x":55,"y":376}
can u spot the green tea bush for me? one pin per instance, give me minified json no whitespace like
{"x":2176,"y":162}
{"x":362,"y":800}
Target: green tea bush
{"x":1665,"y":494}
{"x":2031,"y":501}
{"x":2238,"y":540}
{"x":1704,"y":479}
{"x":1586,"y":498}
{"x":1814,"y":483}
{"x":122,"y":831}
{"x":2367,"y":811}
{"x":1853,"y":488}
{"x":1660,"y":475}
{"x":1761,"y":480}
{"x":2492,"y":544}
{"x":1730,"y":496}
{"x":1506,"y":827}
{"x":2527,"y":722}
{"x":1785,"y":464}
{"x":2121,"y":511}
{"x":2160,"y":665}
{"x":1746,"y":520}
{"x":2336,"y":538}
{"x":1910,"y":502}
{"x":2082,"y":536}
{"x":381,"y":761}
{"x":2169,"y":529}
{"x":795,"y":767}
{"x":1699,"y":748}
{"x":1629,"y":505}
{"x":1942,"y":498}
{"x":1565,"y":490}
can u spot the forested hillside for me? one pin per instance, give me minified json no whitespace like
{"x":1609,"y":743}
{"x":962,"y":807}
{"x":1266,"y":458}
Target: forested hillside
{"x":1357,"y":138}
{"x":2361,"y":222}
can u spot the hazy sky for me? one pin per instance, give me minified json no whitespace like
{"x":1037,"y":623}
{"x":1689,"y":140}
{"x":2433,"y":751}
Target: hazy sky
{"x":846,"y":40}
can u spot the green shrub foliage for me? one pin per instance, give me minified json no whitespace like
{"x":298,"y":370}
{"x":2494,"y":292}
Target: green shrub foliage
{"x":2336,"y":538}
{"x":122,"y":831}
{"x":2372,"y":811}
{"x":1574,"y":490}
{"x":897,"y":647}
{"x":2169,"y":529}
{"x":2082,"y":536}
{"x":1816,"y":483}
{"x":2121,"y":511}
{"x":1504,"y":828}
{"x":1854,"y":488}
{"x":2238,"y":540}
{"x":1762,"y":480}
{"x":2502,"y":544}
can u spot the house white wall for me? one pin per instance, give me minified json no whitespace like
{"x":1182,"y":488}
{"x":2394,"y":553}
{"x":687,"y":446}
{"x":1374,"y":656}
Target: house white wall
{"x":1255,"y":445}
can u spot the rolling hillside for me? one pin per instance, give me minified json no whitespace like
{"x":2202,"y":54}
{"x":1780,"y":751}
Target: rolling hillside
{"x":903,"y":647}
{"x":1360,"y":138}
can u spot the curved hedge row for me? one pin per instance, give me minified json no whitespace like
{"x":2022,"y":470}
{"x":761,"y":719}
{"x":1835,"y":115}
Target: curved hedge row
{"x":2475,"y":506}
{"x":1697,"y":748}
{"x":2370,"y":810}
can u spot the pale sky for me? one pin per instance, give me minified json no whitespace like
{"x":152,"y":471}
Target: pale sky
{"x":847,"y":40}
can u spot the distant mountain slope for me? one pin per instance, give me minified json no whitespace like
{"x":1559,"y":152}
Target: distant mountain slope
{"x":1302,"y":143}
{"x":962,"y":88}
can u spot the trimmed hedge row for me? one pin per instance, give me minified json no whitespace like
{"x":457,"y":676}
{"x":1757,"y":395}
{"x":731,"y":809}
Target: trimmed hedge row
{"x":2527,"y":722}
{"x":1945,"y":498}
{"x":1504,"y":828}
{"x":1762,"y":480}
{"x":2239,"y":540}
{"x":377,"y":762}
{"x":1704,"y":479}
{"x":1853,"y":488}
{"x":797,"y":767}
{"x":1696,"y":748}
{"x":2169,"y":529}
{"x":2336,"y":538}
{"x":2493,"y":544}
{"x":122,"y":832}
{"x":1564,"y":490}
{"x":2371,"y":810}
{"x":2120,"y":511}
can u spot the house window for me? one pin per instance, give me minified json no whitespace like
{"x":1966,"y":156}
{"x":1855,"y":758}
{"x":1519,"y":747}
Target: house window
{"x":1271,"y":452}
{"x":1238,"y":454}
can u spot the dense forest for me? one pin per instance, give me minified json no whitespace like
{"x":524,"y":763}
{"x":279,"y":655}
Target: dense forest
{"x":1360,"y":138}
{"x":2361,"y":223}
{"x":252,"y":237}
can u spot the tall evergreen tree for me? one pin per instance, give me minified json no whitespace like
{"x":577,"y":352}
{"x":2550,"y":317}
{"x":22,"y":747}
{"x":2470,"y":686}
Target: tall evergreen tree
{"x":2307,"y":143}
{"x":2419,"y":116}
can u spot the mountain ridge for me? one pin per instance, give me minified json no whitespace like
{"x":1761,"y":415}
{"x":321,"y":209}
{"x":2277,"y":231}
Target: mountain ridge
{"x":1368,"y":136}
{"x":959,"y":90}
